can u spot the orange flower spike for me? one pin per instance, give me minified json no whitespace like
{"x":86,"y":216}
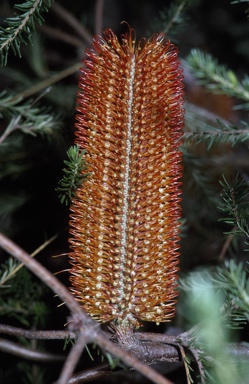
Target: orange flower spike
{"x":125,"y":217}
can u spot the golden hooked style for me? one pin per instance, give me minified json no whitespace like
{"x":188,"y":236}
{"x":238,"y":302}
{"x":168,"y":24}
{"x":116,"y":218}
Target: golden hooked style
{"x":125,"y":216}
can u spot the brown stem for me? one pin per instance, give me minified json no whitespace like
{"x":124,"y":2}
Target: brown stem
{"x":8,"y":346}
{"x":238,"y":350}
{"x":196,"y":354}
{"x":72,"y":21}
{"x":129,"y":360}
{"x":157,"y":337}
{"x":183,"y":354}
{"x":91,"y":332}
{"x":99,"y":16}
{"x":55,"y":285}
{"x":36,"y":335}
{"x":60,"y":35}
{"x":226,"y":246}
{"x":19,"y":266}
{"x":91,"y":374}
{"x":175,"y":16}
{"x":73,"y":358}
{"x":49,"y":81}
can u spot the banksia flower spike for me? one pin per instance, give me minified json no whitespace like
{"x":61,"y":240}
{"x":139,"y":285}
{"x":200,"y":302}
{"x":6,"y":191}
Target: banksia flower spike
{"x":125,"y":217}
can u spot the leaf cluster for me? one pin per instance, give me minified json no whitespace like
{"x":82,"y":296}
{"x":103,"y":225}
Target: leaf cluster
{"x":171,"y":19}
{"x":23,"y":299}
{"x":73,"y":175}
{"x":18,"y":29}
{"x":235,"y":204}
{"x":20,"y":118}
{"x":7,"y":271}
{"x":216,"y":77}
{"x":26,"y":116}
{"x":229,"y":286}
{"x":216,"y":300}
{"x":216,"y":133}
{"x":234,"y":281}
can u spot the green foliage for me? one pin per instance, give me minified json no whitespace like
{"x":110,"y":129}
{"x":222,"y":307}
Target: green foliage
{"x":200,"y":187}
{"x":23,"y":299}
{"x":10,"y":202}
{"x":113,"y":362}
{"x":26,"y":117}
{"x":217,"y":77}
{"x":20,"y":118}
{"x":73,"y":175}
{"x":171,"y":19}
{"x":7,"y":272}
{"x":230,"y":286}
{"x":19,"y":29}
{"x":35,"y":374}
{"x":235,"y":204}
{"x":215,"y":134}
{"x":12,"y":164}
{"x":216,"y":300}
{"x":234,"y":281}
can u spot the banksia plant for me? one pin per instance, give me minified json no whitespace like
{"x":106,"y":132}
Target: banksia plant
{"x":125,"y":216}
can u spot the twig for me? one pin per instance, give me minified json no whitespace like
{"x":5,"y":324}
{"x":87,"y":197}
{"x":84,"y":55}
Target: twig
{"x":73,"y":358}
{"x":28,"y":353}
{"x":226,"y":246}
{"x":129,"y":360}
{"x":196,"y":355}
{"x":60,"y":35}
{"x":92,"y":332}
{"x":91,"y":374}
{"x":240,"y":351}
{"x":184,"y":358}
{"x":22,"y":24}
{"x":36,"y":335}
{"x":49,"y":81}
{"x":99,"y":16}
{"x":203,"y":113}
{"x":72,"y":21}
{"x":11,"y":128}
{"x":44,"y":275}
{"x":176,"y":15}
{"x":157,"y":337}
{"x":19,"y":266}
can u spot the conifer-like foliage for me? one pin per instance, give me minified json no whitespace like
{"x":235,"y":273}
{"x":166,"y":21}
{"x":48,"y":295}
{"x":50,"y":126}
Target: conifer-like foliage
{"x":18,"y":29}
{"x":42,"y":45}
{"x":73,"y":175}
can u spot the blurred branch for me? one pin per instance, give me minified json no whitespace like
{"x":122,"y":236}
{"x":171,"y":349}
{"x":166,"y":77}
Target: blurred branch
{"x":226,"y":245}
{"x":60,"y":35}
{"x":99,"y":17}
{"x":28,"y":353}
{"x":91,"y":374}
{"x":175,"y":16}
{"x":69,"y":18}
{"x":49,"y":81}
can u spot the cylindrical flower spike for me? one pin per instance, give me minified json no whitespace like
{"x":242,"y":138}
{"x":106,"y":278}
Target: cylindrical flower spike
{"x":125,"y":217}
